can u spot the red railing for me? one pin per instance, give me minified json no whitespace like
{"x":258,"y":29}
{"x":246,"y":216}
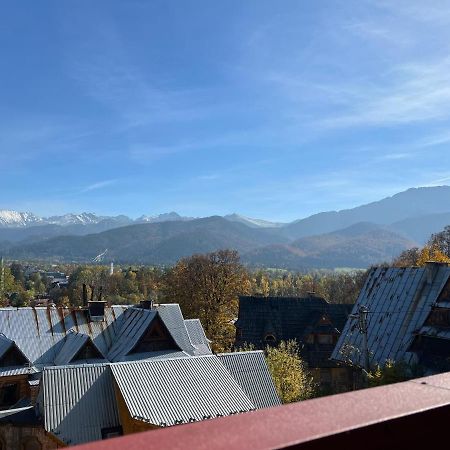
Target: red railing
{"x":409,"y":415}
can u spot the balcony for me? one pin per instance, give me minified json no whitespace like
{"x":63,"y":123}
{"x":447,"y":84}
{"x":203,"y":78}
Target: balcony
{"x":409,"y":415}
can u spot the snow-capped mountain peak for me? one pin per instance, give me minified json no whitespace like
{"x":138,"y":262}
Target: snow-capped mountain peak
{"x":10,"y":218}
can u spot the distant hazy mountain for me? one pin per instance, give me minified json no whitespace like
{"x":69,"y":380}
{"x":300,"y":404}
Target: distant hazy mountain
{"x":153,"y":243}
{"x":412,"y":203}
{"x":253,"y":223}
{"x":165,"y":217}
{"x":357,"y":246}
{"x":356,"y":237}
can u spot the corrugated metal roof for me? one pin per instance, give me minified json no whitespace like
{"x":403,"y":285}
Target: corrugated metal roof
{"x":135,"y":322}
{"x":173,"y":319}
{"x":197,"y":336}
{"x":171,"y":391}
{"x":52,"y":336}
{"x":155,"y":355}
{"x":250,"y":370}
{"x":73,"y":342}
{"x":16,"y":370}
{"x":78,"y":401}
{"x":399,"y":301}
{"x":39,"y":331}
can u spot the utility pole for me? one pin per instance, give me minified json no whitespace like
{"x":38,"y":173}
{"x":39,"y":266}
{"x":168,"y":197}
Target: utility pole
{"x":361,"y":316}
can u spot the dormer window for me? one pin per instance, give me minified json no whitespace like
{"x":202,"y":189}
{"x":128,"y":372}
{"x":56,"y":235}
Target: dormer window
{"x":325,"y":339}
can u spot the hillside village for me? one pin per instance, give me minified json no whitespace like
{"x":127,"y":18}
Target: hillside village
{"x":224,"y":225}
{"x":71,"y":375}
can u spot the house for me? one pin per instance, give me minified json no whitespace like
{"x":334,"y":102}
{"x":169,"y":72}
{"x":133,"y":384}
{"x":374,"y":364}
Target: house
{"x":72,"y":375}
{"x":408,"y":319}
{"x":82,"y":403}
{"x":313,"y":322}
{"x":33,"y":338}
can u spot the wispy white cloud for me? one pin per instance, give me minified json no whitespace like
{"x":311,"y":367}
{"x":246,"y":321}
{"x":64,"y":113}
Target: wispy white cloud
{"x":98,"y":185}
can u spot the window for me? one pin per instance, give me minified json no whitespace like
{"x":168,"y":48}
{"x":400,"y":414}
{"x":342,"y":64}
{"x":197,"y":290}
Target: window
{"x":88,"y":351}
{"x":111,"y":432}
{"x":9,"y":394}
{"x":270,"y":338}
{"x":156,"y":338}
{"x":325,"y":339}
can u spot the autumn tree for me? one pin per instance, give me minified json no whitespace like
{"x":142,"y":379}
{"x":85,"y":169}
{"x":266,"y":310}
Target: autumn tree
{"x":408,"y":258}
{"x":207,"y":287}
{"x":289,"y":373}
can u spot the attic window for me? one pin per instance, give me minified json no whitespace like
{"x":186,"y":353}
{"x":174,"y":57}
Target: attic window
{"x":88,"y":351}
{"x":9,"y":394}
{"x":325,"y":339}
{"x":155,"y":338}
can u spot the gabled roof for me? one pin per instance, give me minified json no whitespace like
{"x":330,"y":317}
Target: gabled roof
{"x":5,"y":345}
{"x":73,"y":344}
{"x":77,"y":402}
{"x":198,"y":388}
{"x":399,"y":300}
{"x":284,"y":317}
{"x":250,"y":370}
{"x":39,"y":332}
{"x":172,"y":317}
{"x":135,"y":322}
{"x":51,"y":336}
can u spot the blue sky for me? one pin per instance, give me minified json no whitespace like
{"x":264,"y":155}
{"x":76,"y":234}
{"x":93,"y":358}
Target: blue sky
{"x":273,"y":109}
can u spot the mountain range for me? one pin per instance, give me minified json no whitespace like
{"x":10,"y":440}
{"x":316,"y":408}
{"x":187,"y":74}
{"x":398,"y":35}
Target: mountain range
{"x":357,"y":237}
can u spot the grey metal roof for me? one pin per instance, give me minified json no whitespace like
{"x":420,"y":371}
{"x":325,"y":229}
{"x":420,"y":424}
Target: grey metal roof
{"x":135,"y":323}
{"x":16,"y":370}
{"x":399,"y":301}
{"x":39,"y":331}
{"x":73,"y":342}
{"x":52,"y":336}
{"x":162,"y":354}
{"x":173,"y":319}
{"x":197,"y":336}
{"x":250,"y":370}
{"x":78,"y":401}
{"x":171,"y":391}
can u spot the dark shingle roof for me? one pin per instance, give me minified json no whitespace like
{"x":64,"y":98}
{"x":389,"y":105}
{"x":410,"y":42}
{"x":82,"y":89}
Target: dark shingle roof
{"x":288,"y":318}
